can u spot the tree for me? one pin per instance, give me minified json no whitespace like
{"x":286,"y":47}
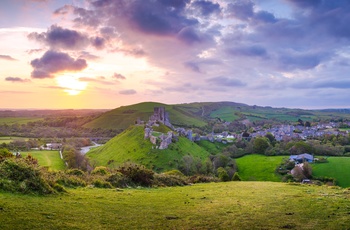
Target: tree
{"x":260,"y":145}
{"x":236,"y":177}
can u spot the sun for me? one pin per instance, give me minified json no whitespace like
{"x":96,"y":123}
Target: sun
{"x":71,"y":85}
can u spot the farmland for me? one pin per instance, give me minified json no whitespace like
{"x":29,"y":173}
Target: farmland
{"x":50,"y":159}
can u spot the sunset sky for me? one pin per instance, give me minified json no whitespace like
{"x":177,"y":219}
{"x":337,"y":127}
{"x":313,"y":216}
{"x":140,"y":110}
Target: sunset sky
{"x":107,"y":53}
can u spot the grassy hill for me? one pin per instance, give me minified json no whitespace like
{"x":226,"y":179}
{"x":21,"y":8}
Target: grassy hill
{"x":231,"y":205}
{"x":131,"y":146}
{"x":337,"y":167}
{"x":123,"y":117}
{"x":197,"y":114}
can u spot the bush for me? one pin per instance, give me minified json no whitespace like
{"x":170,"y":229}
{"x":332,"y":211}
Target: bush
{"x":169,"y":180}
{"x":118,"y":180}
{"x":71,"y":181}
{"x":137,"y":174}
{"x":16,"y":175}
{"x":222,"y":174}
{"x":98,"y":183}
{"x":100,"y":170}
{"x":75,"y":172}
{"x":202,"y":179}
{"x":236,"y":177}
{"x":174,"y":172}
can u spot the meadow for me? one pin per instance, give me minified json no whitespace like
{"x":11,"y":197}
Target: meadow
{"x":259,"y":167}
{"x":18,"y":120}
{"x":230,"y":205}
{"x":50,"y":159}
{"x":337,"y":167}
{"x":7,"y":139}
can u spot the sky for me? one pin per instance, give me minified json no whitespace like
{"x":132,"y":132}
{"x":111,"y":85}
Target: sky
{"x":102,"y":54}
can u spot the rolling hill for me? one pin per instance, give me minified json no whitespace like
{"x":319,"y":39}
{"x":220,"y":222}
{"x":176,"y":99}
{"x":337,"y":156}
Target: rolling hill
{"x":130,"y":146}
{"x":199,"y":113}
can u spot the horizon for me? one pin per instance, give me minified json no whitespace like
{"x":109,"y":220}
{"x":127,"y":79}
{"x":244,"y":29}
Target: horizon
{"x":98,"y":54}
{"x":108,"y":109}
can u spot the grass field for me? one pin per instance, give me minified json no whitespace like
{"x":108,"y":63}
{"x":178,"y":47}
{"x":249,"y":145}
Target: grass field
{"x":231,"y":205}
{"x":50,"y":159}
{"x":225,"y":113}
{"x":18,"y":120}
{"x":259,"y":167}
{"x":337,"y":167}
{"x":10,"y":139}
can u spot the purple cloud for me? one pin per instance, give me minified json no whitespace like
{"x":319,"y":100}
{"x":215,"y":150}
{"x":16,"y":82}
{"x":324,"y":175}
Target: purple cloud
{"x":7,"y":58}
{"x":16,"y":79}
{"x":119,"y":76}
{"x":127,"y":92}
{"x":53,"y":62}
{"x":58,"y":37}
{"x":207,"y":8}
{"x":225,"y":81}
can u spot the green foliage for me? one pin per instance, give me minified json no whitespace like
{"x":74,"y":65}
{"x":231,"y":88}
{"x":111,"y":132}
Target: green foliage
{"x":137,"y":174}
{"x":98,"y":183}
{"x":222,"y":174}
{"x":5,"y":153}
{"x":70,"y":181}
{"x":76,"y":172}
{"x":164,"y":179}
{"x":236,"y":177}
{"x":21,"y":175}
{"x":260,"y":145}
{"x":100,"y":170}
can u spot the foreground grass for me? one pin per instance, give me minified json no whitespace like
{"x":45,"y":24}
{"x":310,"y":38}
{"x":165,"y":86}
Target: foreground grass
{"x":337,"y":167}
{"x":232,"y":205}
{"x":49,"y":159}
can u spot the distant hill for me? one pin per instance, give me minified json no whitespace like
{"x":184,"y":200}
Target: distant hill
{"x":198,"y":114}
{"x":131,"y":146}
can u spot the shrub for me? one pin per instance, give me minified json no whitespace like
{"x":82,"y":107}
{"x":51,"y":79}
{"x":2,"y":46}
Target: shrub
{"x":71,"y":181}
{"x":118,"y":180}
{"x":98,"y":183}
{"x":202,"y":179}
{"x":100,"y":170}
{"x":164,"y":179}
{"x":76,"y":172}
{"x":236,"y":177}
{"x":16,"y":175}
{"x":174,"y":172}
{"x":222,"y":174}
{"x":137,"y":174}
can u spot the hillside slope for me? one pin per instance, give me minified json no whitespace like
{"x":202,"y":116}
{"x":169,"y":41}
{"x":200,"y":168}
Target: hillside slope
{"x":131,"y":146}
{"x":123,"y":117}
{"x":199,"y":113}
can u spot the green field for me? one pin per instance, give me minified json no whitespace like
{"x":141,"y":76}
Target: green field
{"x":49,"y":159}
{"x":259,"y":167}
{"x":17,"y":120}
{"x":131,"y":146}
{"x":225,"y":113}
{"x":231,"y":205}
{"x":10,"y":139}
{"x":337,"y":167}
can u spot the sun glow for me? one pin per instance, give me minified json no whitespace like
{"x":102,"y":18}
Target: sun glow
{"x":71,"y":85}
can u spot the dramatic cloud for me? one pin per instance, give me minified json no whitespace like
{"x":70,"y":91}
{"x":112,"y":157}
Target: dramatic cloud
{"x":58,"y":37}
{"x":54,"y":62}
{"x":127,"y":92}
{"x":7,"y":58}
{"x":16,"y":79}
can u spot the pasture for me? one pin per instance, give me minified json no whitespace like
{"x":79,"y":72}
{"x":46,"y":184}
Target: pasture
{"x":47,"y":158}
{"x":337,"y":167}
{"x":230,"y":205}
{"x":10,"y":139}
{"x":17,"y":120}
{"x":259,"y":167}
